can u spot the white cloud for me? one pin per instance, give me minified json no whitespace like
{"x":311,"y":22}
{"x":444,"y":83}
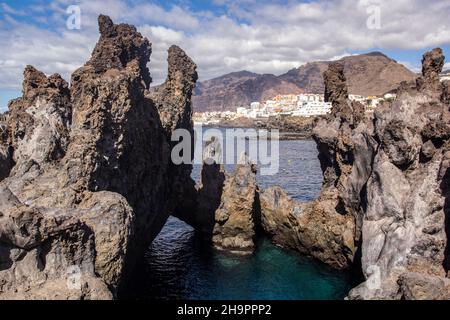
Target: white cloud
{"x":7,"y":9}
{"x":264,"y":37}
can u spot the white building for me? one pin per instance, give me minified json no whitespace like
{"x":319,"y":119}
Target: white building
{"x":255,"y":105}
{"x":310,"y":97}
{"x":356,"y":97}
{"x":444,"y":77}
{"x":312,"y":109}
{"x":388,"y":96}
{"x":255,"y":114}
{"x":261,"y":112}
{"x":271,"y":106}
{"x":303,"y":105}
{"x":242,"y":111}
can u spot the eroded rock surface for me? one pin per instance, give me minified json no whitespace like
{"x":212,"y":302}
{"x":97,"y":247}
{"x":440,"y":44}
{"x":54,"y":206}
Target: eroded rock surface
{"x":432,"y":64}
{"x":173,"y":102}
{"x":237,"y":218}
{"x":406,"y":195}
{"x":38,"y":124}
{"x":90,"y":187}
{"x":385,"y":192}
{"x":209,"y":198}
{"x":6,"y":162}
{"x":336,"y":92}
{"x":312,"y":228}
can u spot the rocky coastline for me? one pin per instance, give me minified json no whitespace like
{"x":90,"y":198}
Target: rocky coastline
{"x":384,"y":200}
{"x":384,"y":203}
{"x":87,"y":181}
{"x":291,"y":128}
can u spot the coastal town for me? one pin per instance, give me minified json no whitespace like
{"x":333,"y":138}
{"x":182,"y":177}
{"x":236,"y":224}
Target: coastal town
{"x":304,"y":105}
{"x":142,"y":161}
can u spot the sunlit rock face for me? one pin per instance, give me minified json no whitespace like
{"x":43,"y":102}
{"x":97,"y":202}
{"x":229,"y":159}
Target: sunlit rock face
{"x":87,"y":177}
{"x":385,"y":192}
{"x":405,"y":222}
{"x":313,"y":228}
{"x":389,"y":173}
{"x":326,"y":228}
{"x":87,"y":181}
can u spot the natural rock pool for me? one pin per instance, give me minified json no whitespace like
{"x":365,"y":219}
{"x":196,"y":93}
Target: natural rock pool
{"x":179,"y":266}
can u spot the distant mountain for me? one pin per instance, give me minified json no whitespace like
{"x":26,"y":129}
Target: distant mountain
{"x":367,"y":74}
{"x":239,"y":89}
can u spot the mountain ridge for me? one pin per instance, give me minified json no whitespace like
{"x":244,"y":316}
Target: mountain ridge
{"x":373,"y":73}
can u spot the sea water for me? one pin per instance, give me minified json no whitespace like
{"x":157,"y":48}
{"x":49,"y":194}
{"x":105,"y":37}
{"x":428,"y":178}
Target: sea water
{"x":180,"y":266}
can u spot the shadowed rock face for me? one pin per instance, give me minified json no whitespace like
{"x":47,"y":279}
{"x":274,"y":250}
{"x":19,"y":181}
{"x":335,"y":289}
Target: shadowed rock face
{"x":6,"y":162}
{"x":384,"y":192}
{"x":445,"y":97}
{"x":336,"y":92}
{"x":174,"y":105}
{"x":432,"y":64}
{"x":173,"y":98}
{"x":92,"y":183}
{"x":209,"y":198}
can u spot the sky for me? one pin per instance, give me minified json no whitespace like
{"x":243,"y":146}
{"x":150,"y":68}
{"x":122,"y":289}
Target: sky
{"x":221,"y":36}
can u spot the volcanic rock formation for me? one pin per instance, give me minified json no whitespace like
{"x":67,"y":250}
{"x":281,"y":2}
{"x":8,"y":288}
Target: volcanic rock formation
{"x":313,"y":229}
{"x":237,"y":218}
{"x":336,"y":92}
{"x":173,"y":102}
{"x":92,"y":181}
{"x":404,"y":224}
{"x":385,"y":192}
{"x":87,"y":181}
{"x":6,"y":163}
{"x":209,"y":198}
{"x":432,"y":64}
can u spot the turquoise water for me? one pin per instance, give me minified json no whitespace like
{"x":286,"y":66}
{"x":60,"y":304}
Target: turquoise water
{"x":180,"y":266}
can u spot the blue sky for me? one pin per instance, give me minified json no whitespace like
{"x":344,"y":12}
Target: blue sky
{"x":221,"y":35}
